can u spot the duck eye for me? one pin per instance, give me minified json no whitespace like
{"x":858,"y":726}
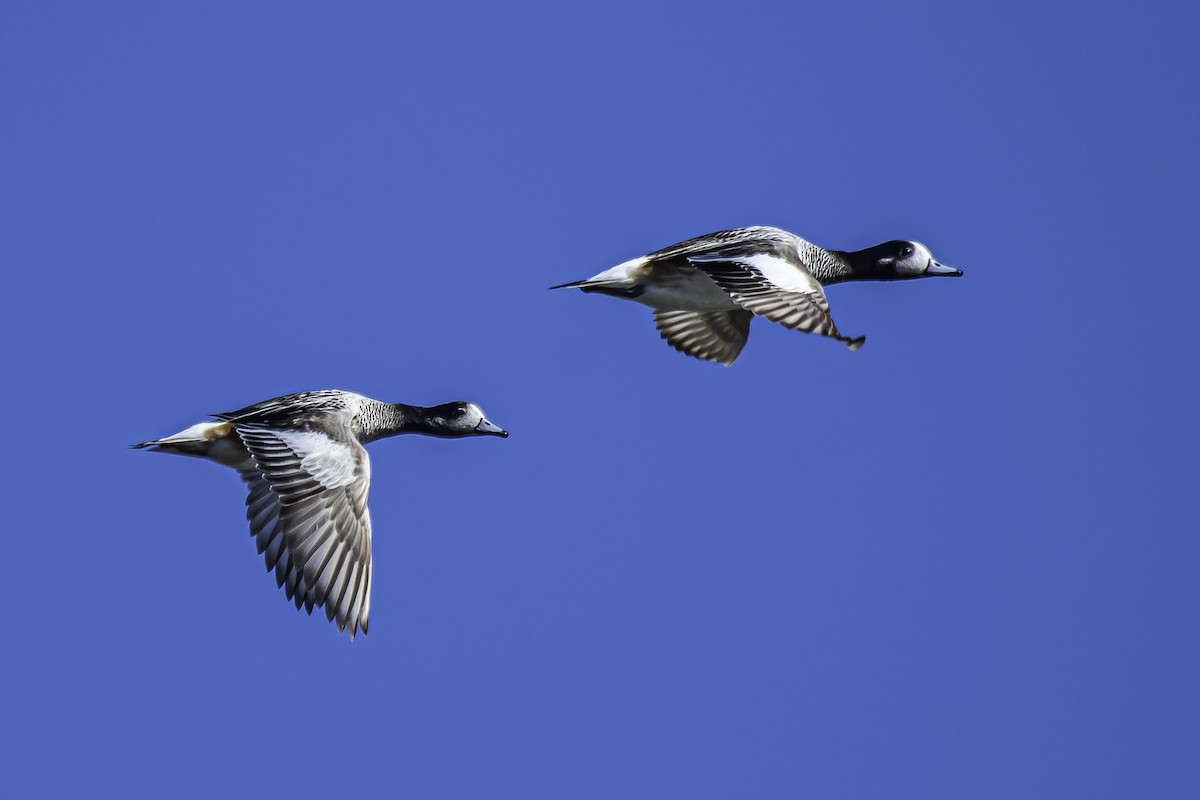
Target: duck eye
{"x":906,"y":251}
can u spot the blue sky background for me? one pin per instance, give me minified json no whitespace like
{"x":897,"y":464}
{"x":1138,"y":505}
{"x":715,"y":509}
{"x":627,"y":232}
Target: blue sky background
{"x":960,"y":562}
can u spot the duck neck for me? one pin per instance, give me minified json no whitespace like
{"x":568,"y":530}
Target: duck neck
{"x":839,"y":266}
{"x":380,"y":420}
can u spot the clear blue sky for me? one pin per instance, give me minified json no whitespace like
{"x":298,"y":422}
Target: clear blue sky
{"x":958,"y":563}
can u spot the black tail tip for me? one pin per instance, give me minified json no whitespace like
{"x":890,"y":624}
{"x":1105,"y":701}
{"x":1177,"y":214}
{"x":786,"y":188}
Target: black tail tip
{"x":856,"y":343}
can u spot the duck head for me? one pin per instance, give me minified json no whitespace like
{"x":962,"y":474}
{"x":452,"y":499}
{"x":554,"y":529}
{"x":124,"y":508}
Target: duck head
{"x":453,"y":420}
{"x":897,"y":260}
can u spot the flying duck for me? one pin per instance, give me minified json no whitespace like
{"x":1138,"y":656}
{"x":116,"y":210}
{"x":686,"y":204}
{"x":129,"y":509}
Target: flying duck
{"x":302,"y":458}
{"x":705,"y":290}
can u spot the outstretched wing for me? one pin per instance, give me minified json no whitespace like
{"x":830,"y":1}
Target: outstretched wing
{"x":308,"y":513}
{"x":717,"y":336}
{"x":774,"y":287}
{"x":266,"y":526}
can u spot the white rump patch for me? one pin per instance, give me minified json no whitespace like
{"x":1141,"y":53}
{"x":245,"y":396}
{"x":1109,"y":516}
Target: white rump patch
{"x":622,"y":274}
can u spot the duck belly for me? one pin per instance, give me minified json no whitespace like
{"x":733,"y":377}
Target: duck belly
{"x":685,"y":290}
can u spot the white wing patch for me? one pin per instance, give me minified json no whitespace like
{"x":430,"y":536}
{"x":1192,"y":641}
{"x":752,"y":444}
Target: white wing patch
{"x":780,"y":273}
{"x":330,"y":463}
{"x":787,"y":276}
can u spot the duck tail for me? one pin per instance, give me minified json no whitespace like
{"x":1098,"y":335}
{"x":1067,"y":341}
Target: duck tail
{"x":193,"y":441}
{"x":571,"y":285}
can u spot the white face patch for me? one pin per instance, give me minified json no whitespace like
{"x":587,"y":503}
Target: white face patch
{"x":473,"y":417}
{"x":916,"y":263}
